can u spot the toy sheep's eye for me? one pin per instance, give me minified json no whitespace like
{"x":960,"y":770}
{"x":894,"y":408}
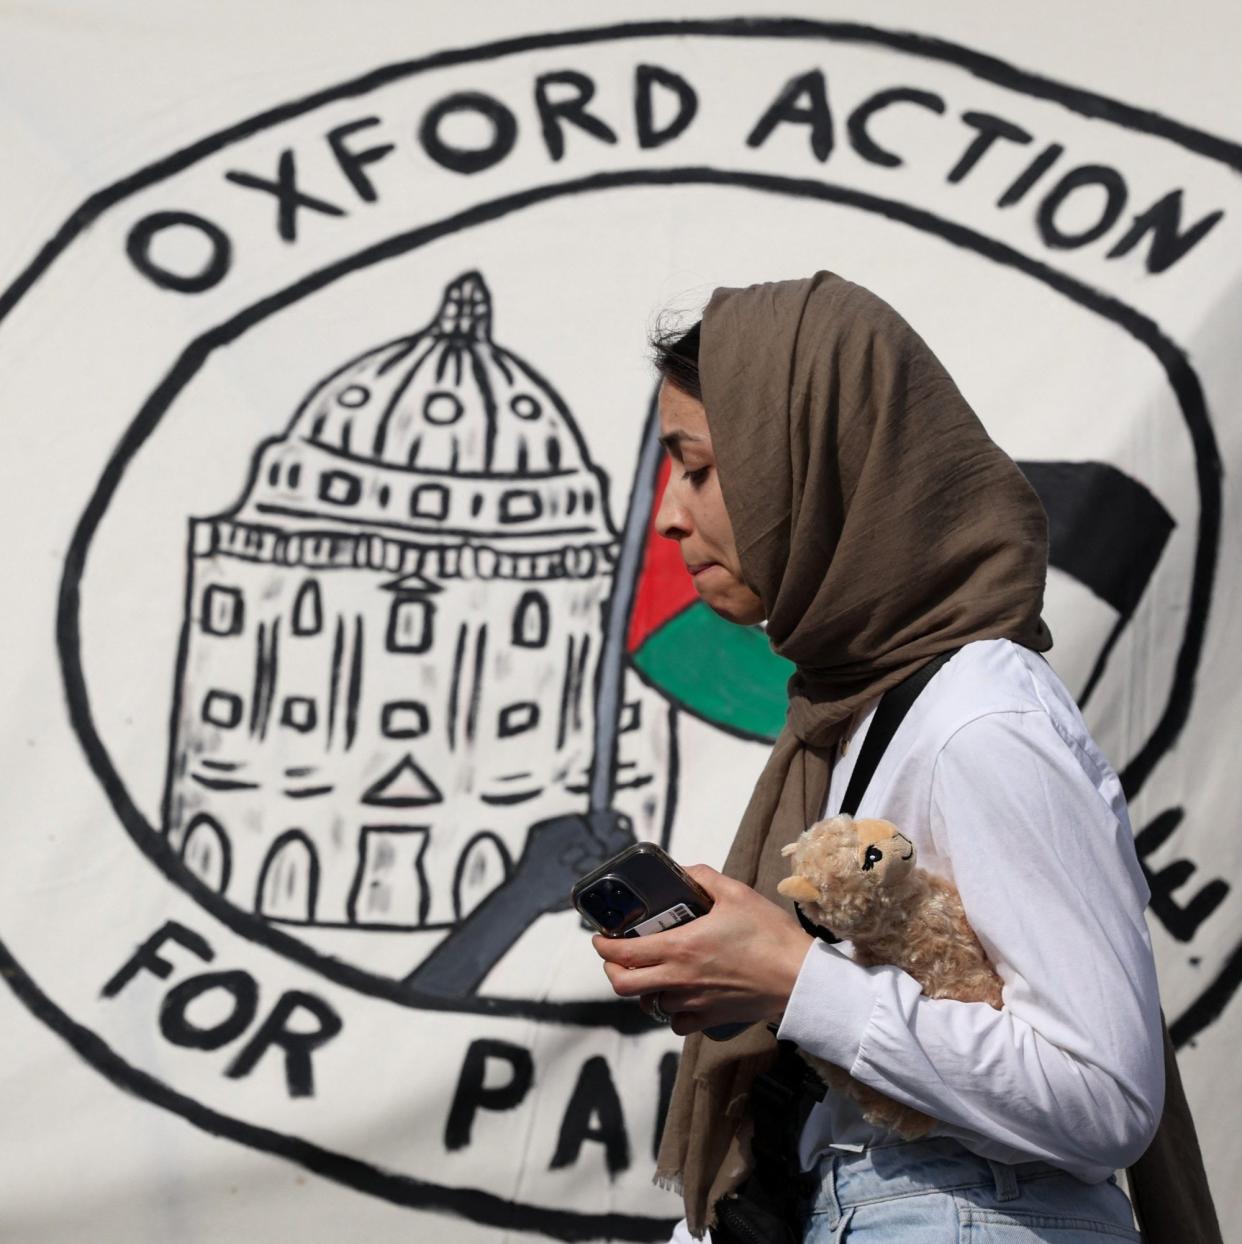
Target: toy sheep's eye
{"x":872,"y":857}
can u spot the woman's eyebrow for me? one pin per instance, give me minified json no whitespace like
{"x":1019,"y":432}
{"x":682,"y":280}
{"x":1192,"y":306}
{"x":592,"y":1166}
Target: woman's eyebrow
{"x":672,"y":440}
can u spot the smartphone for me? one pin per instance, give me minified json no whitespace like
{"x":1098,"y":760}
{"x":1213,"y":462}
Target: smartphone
{"x":641,"y":890}
{"x":644,"y":890}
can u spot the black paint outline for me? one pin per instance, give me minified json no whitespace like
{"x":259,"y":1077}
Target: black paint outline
{"x":476,"y":1205}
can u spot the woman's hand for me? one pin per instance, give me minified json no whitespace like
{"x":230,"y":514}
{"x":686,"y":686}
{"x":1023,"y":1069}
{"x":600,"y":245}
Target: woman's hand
{"x":737,"y":963}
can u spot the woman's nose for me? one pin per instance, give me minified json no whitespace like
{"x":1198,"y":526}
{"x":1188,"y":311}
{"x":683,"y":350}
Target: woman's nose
{"x":671,"y":520}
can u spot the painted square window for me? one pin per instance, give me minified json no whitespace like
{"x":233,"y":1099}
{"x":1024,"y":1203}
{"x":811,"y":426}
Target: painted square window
{"x":518,"y":718}
{"x":308,"y":609}
{"x":429,"y":501}
{"x":530,"y":621}
{"x":519,"y":505}
{"x":410,"y":625}
{"x":222,"y":708}
{"x":339,"y":488}
{"x":298,"y":713}
{"x":223,"y":612}
{"x":404,"y":719}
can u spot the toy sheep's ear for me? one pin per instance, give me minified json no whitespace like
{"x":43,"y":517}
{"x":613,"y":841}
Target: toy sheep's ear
{"x":788,"y":849}
{"x":800,"y":889}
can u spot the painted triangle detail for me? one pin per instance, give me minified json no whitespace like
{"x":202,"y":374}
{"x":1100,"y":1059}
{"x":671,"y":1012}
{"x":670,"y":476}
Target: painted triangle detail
{"x":405,"y":785}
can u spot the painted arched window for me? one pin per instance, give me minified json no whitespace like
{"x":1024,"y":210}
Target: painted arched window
{"x":205,"y":852}
{"x":308,"y":609}
{"x":289,"y":880}
{"x":530,"y":621}
{"x":481,"y":867}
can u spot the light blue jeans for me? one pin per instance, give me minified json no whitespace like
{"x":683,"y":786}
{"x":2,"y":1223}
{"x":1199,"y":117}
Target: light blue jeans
{"x":936,"y":1192}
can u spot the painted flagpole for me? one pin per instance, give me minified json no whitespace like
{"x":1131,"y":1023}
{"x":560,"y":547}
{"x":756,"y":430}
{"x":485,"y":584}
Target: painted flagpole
{"x":610,"y":676}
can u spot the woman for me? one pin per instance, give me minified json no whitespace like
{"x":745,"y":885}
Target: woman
{"x":829,"y":478}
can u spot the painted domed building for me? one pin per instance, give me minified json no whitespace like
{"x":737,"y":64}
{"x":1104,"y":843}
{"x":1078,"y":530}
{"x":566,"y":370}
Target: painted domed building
{"x":390,"y":645}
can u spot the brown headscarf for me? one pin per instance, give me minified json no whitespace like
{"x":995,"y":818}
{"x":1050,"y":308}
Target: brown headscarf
{"x":879,"y":526}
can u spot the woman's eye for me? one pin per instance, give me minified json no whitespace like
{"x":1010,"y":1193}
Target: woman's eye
{"x":696,"y":477}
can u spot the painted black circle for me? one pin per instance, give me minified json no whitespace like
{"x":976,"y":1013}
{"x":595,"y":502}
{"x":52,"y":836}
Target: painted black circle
{"x":465,"y":159}
{"x":353,"y":396}
{"x":1108,"y":180}
{"x":442,"y":408}
{"x":141,"y":237}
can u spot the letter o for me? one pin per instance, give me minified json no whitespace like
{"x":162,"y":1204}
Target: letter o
{"x":175,"y":1023}
{"x":1086,"y":175}
{"x":460,"y":159}
{"x":141,"y":236}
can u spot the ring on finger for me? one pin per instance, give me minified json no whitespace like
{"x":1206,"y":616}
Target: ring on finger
{"x":657,"y":1012}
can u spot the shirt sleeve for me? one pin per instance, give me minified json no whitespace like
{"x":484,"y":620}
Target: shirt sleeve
{"x":1070,"y":1070}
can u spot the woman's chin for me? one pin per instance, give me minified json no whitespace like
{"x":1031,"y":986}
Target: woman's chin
{"x":740,"y":607}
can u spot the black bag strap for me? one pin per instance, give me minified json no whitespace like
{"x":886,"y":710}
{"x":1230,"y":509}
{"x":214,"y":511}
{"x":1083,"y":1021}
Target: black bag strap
{"x":894,"y":705}
{"x":889,"y":714}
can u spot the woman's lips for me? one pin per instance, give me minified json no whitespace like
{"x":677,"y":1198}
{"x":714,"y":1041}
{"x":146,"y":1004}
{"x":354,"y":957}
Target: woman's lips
{"x":699,"y":568}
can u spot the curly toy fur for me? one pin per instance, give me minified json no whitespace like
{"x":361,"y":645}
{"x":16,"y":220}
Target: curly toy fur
{"x":859,"y":879}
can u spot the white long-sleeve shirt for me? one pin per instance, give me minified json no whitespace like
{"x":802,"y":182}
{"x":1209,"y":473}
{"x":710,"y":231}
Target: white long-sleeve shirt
{"x":996,"y":780}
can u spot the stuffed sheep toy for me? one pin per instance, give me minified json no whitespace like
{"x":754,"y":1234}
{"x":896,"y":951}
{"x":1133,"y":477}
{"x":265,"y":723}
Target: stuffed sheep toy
{"x":859,"y":879}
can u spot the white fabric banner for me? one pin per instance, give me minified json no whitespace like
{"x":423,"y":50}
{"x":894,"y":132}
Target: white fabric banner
{"x":335,"y":639}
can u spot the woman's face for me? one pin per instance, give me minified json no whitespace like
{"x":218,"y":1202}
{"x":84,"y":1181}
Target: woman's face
{"x":692,"y":510}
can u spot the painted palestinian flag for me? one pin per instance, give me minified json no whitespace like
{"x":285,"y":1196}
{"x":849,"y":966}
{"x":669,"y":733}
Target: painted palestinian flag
{"x":1106,"y":530}
{"x":724,"y":673}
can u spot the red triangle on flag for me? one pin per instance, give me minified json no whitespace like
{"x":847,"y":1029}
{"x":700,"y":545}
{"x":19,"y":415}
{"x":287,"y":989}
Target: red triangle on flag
{"x":664,"y":585}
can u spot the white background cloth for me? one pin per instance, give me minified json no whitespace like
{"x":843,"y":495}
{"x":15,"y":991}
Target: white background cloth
{"x":91,"y":93}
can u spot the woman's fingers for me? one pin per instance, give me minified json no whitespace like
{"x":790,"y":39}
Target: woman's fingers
{"x":739,"y":962}
{"x":637,"y":952}
{"x":707,"y":877}
{"x":631,"y":982}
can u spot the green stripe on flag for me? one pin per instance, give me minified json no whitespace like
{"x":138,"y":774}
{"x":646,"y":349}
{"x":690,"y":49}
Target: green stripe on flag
{"x":725,"y":673}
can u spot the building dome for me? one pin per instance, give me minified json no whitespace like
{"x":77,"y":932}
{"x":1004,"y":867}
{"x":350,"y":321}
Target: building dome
{"x":441,"y":432}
